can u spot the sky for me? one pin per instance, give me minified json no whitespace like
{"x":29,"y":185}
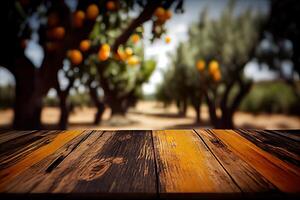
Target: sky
{"x":177,"y":28}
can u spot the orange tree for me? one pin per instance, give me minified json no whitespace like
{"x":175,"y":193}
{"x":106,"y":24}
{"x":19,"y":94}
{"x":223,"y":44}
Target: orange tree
{"x":222,"y":49}
{"x":218,"y":49}
{"x":61,"y":28}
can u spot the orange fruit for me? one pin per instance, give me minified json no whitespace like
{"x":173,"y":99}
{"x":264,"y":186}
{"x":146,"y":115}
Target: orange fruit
{"x":78,"y":18}
{"x":103,"y":55}
{"x":159,"y":12}
{"x":216,"y":76}
{"x":135,"y":38}
{"x":92,"y":12}
{"x":75,"y":57}
{"x":213,"y":66}
{"x":85,"y":45}
{"x":200,"y":65}
{"x":168,"y":39}
{"x":167,"y":14}
{"x":110,"y":5}
{"x":58,"y":32}
{"x":133,"y":60}
{"x":105,"y":47}
{"x":128,"y":51}
{"x":121,"y":54}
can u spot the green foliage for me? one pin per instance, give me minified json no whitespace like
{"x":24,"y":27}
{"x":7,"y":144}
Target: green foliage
{"x":271,"y":97}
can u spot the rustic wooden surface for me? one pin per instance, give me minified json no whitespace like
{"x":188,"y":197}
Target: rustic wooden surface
{"x":150,"y":164}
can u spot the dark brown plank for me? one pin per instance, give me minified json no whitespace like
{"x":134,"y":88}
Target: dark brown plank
{"x":109,"y":162}
{"x":186,"y":166}
{"x":10,"y":135}
{"x":292,"y":134}
{"x":247,"y":178}
{"x":284,"y":148}
{"x":18,"y":148}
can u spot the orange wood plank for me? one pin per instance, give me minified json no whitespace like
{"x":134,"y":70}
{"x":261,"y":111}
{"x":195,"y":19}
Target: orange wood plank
{"x":248,"y":179}
{"x":9,"y":173}
{"x":185,"y":165}
{"x":283,"y":175}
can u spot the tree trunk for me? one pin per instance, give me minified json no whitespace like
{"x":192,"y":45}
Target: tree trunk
{"x":197,"y":108}
{"x":28,"y":103}
{"x":99,"y":105}
{"x":117,"y":107}
{"x":64,"y":112}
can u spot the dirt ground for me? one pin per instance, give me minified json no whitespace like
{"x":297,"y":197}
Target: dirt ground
{"x":152,"y":115}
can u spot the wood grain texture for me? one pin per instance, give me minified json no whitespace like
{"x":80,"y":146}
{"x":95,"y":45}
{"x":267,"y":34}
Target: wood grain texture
{"x":10,"y":135}
{"x":96,"y":163}
{"x":185,"y":165}
{"x":292,"y":134}
{"x":7,"y":174}
{"x":247,"y":178}
{"x":18,"y":148}
{"x":142,"y":164}
{"x":284,"y":176}
{"x":280,"y":146}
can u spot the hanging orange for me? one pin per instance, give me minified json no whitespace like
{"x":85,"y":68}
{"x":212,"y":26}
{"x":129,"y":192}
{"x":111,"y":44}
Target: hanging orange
{"x":92,"y":12}
{"x":78,"y":18}
{"x":103,"y":55}
{"x":128,"y":51}
{"x":105,"y":47}
{"x":200,"y":65}
{"x":167,"y":14}
{"x":168,"y":39}
{"x":58,"y":32}
{"x":135,"y":38}
{"x":216,"y":76}
{"x":85,"y":45}
{"x":213,"y":66}
{"x":75,"y":56}
{"x":110,"y":5}
{"x":133,"y":60}
{"x":159,"y":12}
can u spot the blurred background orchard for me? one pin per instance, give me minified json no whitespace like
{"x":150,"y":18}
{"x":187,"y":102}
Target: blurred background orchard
{"x":161,"y":64}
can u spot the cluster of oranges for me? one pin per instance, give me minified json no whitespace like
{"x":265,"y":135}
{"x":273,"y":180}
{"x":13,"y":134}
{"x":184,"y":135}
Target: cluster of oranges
{"x":162,"y":15}
{"x":127,"y":56}
{"x":75,"y":55}
{"x":91,"y":13}
{"x":55,"y":32}
{"x":213,"y":68}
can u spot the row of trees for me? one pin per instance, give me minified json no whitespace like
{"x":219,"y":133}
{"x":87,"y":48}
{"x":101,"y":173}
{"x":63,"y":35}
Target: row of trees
{"x":210,"y":65}
{"x":98,"y":38}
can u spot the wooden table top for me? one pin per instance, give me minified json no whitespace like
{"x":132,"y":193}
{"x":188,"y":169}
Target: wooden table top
{"x":154,"y":164}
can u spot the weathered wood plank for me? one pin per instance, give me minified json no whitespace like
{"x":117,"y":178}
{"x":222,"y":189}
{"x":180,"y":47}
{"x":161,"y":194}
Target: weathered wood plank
{"x":7,"y":174}
{"x":10,"y":135}
{"x":17,"y":149}
{"x":25,"y":182}
{"x":185,"y":165}
{"x":102,"y":164}
{"x":282,"y":147}
{"x":284,"y":176}
{"x":292,"y":134}
{"x":248,"y":179}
